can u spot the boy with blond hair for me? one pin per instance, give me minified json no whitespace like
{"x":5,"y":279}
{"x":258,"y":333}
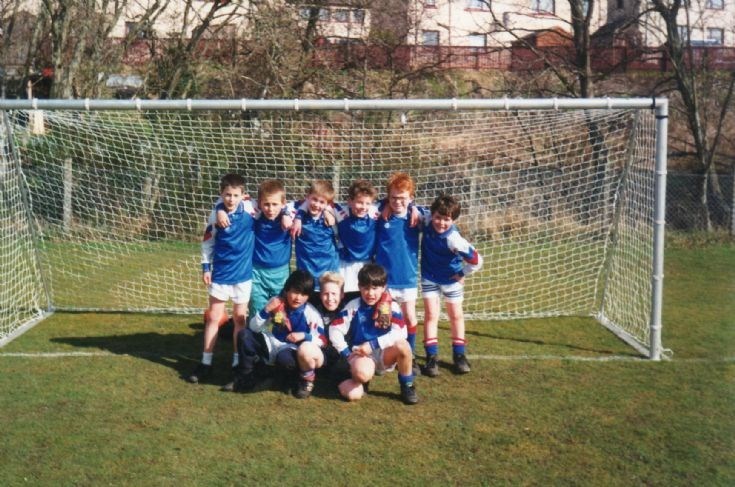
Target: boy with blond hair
{"x":356,"y":228}
{"x":316,"y":251}
{"x":446,"y":259}
{"x":227,"y":269}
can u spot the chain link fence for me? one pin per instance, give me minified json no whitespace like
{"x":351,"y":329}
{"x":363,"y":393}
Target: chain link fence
{"x":684,"y":207}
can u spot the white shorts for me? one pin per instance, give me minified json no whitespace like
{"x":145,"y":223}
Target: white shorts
{"x":239,"y":293}
{"x":349,"y":270}
{"x":380,"y":367}
{"x":403,"y":295}
{"x":453,"y":293}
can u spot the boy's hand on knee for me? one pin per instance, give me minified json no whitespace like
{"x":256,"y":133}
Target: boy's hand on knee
{"x":207,"y":278}
{"x":458,"y":278}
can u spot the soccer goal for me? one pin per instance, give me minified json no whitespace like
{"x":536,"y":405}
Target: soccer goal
{"x":104,"y":201}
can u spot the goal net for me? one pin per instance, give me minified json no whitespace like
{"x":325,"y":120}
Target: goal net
{"x":104,"y":209}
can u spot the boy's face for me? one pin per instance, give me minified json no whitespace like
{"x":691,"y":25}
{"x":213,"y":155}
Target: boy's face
{"x":398,"y":201}
{"x":231,"y":197}
{"x":441,"y":223}
{"x":360,"y":205}
{"x":271,"y":205}
{"x":317,"y":204}
{"x":331,"y":295}
{"x":295,"y":299}
{"x":371,"y":294}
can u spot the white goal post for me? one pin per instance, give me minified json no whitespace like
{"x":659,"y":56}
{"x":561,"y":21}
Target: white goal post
{"x":104,"y":201}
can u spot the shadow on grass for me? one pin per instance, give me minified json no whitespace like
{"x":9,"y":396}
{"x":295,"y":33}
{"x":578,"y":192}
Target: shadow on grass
{"x":551,"y":343}
{"x":178,"y":351}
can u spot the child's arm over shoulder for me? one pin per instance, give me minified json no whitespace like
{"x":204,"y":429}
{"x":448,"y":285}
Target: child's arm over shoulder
{"x":471,"y":257}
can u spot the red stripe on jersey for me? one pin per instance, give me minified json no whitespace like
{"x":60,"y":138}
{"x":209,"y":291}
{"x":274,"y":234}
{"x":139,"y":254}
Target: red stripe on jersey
{"x":397,"y":319}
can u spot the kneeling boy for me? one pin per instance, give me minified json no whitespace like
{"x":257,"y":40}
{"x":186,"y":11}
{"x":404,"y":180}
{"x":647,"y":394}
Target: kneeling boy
{"x":288,"y":333}
{"x":370,"y":343}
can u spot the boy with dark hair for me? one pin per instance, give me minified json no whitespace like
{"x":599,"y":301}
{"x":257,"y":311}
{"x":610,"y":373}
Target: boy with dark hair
{"x":367,"y":344}
{"x":227,"y":256}
{"x":288,"y":333}
{"x":446,"y":259}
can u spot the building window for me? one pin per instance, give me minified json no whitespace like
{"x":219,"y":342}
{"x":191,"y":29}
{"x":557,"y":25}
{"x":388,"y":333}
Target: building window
{"x":430,"y":38}
{"x":683,"y":33}
{"x":716,"y":4}
{"x":341,"y":15}
{"x":477,"y":40}
{"x":478,"y":4}
{"x":324,"y":14}
{"x":430,"y":3}
{"x":620,"y":4}
{"x":543,"y":6}
{"x":358,"y":16}
{"x":716,"y":37}
{"x":305,"y":13}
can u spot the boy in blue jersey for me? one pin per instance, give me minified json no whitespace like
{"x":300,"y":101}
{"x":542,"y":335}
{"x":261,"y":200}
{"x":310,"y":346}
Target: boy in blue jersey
{"x":227,"y":255}
{"x":398,"y":249}
{"x":446,"y":259}
{"x":316,"y":251}
{"x":356,"y":228}
{"x":288,"y":333}
{"x":272,"y":252}
{"x":368,"y":344}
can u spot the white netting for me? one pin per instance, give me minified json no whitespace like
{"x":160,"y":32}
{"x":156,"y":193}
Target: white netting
{"x":560,"y":203}
{"x":22,"y":296}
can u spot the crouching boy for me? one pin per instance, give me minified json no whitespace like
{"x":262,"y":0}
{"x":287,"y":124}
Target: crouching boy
{"x":369,"y":342}
{"x":288,"y":333}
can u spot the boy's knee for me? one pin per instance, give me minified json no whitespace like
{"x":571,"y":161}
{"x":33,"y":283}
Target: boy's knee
{"x":351,"y":390}
{"x":363,"y":370}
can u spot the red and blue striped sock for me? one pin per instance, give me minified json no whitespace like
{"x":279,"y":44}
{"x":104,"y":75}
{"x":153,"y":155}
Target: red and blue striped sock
{"x":431,"y":345}
{"x":458,"y":346}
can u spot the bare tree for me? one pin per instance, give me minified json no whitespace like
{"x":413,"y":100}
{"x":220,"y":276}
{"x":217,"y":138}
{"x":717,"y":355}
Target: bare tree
{"x":706,"y":97}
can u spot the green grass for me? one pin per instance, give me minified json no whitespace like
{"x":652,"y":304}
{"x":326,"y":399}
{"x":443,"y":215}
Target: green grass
{"x":121,"y":415}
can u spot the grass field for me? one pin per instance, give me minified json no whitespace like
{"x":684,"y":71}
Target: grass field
{"x":92,"y":399}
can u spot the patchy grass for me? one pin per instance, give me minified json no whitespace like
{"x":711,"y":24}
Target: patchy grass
{"x":541,"y":405}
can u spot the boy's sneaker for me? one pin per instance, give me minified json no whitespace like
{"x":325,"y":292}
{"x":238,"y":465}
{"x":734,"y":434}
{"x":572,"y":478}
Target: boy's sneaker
{"x":461,"y":365}
{"x":201,"y":372}
{"x":304,"y":388}
{"x":408,"y":394}
{"x":431,"y":368}
{"x":366,"y":387}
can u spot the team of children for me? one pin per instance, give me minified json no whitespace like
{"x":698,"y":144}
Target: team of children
{"x":352,"y":298}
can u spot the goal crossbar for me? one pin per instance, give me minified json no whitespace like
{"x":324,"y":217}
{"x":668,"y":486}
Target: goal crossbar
{"x":486,"y":174}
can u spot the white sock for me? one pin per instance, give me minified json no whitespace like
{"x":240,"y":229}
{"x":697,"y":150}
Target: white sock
{"x":207,"y":358}
{"x":235,"y":359}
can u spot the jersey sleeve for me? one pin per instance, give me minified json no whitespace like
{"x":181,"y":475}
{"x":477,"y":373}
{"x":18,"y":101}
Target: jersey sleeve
{"x":339,"y":329}
{"x":316,"y":325}
{"x":259,"y":322}
{"x":472,"y":259}
{"x":208,"y":241}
